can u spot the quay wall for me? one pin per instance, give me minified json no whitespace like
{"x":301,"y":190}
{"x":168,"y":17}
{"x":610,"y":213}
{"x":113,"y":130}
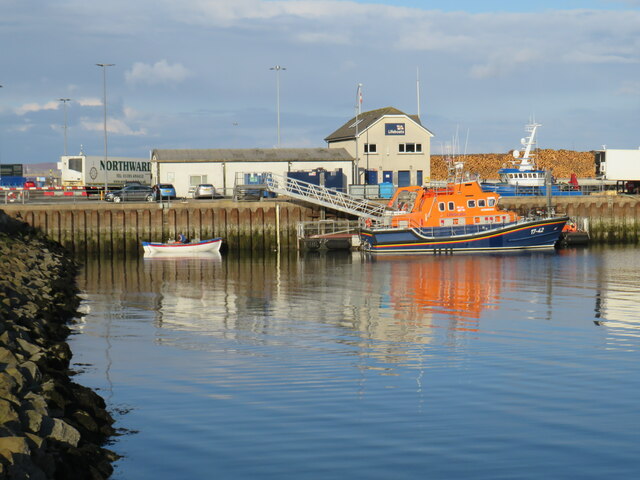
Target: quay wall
{"x":120,"y":228}
{"x":265,"y":226}
{"x":609,"y":219}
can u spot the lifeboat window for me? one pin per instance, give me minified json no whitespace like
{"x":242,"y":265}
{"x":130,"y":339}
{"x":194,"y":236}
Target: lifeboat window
{"x":452,"y":206}
{"x":471,"y":203}
{"x":441,"y":206}
{"x":492,"y":202}
{"x":477,"y":219}
{"x":455,"y":221}
{"x":482,"y":203}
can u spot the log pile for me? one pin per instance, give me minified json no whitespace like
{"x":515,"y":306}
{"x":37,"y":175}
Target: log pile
{"x":562,"y":162}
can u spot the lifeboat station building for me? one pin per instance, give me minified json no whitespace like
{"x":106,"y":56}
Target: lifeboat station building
{"x":378,"y":146}
{"x":387,"y":146}
{"x":227,"y":168}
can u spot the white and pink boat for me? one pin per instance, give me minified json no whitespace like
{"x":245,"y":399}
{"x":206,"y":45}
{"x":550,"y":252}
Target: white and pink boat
{"x":203,"y":246}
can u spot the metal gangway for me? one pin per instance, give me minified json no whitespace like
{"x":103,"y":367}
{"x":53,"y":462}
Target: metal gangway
{"x":325,"y":197}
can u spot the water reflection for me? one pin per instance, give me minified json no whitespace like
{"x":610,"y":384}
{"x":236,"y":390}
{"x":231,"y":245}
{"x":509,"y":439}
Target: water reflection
{"x":618,"y":296}
{"x":377,"y":306}
{"x":398,"y":301}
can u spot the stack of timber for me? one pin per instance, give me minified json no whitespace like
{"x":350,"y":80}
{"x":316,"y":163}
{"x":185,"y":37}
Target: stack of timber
{"x":561,"y":162}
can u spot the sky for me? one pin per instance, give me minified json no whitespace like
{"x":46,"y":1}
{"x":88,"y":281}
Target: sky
{"x":199,"y":73}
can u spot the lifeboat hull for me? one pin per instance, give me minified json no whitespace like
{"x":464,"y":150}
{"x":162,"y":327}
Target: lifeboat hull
{"x":521,"y":235}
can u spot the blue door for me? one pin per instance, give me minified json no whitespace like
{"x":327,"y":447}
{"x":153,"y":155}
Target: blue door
{"x":419,"y":177}
{"x":404,"y":178}
{"x":387,"y":176}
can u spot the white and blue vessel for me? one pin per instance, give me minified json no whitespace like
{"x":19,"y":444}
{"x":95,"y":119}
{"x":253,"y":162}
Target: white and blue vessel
{"x":524,"y":178}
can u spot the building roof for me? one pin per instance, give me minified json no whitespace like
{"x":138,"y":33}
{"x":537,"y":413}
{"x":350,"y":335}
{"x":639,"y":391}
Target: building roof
{"x":251,"y":155}
{"x":365,"y":120}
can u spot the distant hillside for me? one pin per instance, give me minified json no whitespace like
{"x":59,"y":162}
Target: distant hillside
{"x":563,"y":163}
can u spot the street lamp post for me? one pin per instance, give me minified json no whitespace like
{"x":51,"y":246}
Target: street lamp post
{"x":358,"y":112}
{"x":64,"y":103}
{"x":104,"y":97}
{"x":277,"y":68}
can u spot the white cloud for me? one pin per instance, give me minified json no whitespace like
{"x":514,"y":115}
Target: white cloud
{"x":159,"y":73}
{"x":114,"y":126}
{"x":90,"y":102}
{"x":36,"y":107}
{"x":23,"y":128}
{"x":491,"y":44}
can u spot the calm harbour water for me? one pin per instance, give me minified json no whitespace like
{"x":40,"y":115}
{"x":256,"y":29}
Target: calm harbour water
{"x":343,"y":366}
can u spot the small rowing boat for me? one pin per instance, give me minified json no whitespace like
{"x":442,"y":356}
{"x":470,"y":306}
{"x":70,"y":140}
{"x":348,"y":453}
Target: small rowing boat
{"x":177,"y":248}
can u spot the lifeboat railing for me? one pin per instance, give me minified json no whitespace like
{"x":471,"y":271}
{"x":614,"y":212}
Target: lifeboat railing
{"x":323,"y":196}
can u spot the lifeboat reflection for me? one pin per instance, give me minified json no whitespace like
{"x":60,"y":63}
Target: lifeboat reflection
{"x":460,"y":287}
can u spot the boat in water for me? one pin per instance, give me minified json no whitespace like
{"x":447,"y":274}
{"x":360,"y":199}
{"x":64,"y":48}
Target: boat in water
{"x":572,"y":236}
{"x":459,"y":217}
{"x":525,"y":179}
{"x":179,"y":248}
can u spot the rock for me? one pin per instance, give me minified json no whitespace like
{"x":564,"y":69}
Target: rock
{"x":35,"y":402}
{"x":30,"y":372}
{"x":17,"y":379}
{"x":8,"y":384}
{"x":8,"y":413}
{"x":29,"y":348}
{"x":7,"y":356}
{"x":59,"y":430}
{"x":84,"y":420}
{"x":12,"y":446}
{"x":32,"y":421}
{"x":50,"y":427}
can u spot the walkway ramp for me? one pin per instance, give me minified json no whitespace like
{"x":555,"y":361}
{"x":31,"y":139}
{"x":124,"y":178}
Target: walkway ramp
{"x":324,"y":197}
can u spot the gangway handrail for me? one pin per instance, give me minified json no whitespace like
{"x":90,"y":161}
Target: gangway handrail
{"x":323,"y":196}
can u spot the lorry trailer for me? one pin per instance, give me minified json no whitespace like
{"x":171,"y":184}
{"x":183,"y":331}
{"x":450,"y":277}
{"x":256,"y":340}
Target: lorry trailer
{"x":620,"y":166}
{"x":94,"y":172}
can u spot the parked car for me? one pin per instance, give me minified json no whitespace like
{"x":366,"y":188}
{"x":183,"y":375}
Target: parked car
{"x":164,"y":191}
{"x":130,"y":193}
{"x":206,"y":190}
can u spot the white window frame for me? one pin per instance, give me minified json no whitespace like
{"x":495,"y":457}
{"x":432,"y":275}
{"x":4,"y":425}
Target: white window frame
{"x":195,"y":180}
{"x":417,"y":147}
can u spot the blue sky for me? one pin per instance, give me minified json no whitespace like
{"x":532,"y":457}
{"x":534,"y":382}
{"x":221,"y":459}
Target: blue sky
{"x":196,"y":73}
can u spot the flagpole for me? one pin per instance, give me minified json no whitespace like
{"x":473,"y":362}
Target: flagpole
{"x":358,"y":112}
{"x":418,"y":89}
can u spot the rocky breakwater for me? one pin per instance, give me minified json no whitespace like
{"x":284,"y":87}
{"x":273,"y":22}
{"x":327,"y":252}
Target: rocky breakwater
{"x":50,"y":427}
